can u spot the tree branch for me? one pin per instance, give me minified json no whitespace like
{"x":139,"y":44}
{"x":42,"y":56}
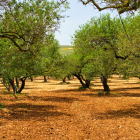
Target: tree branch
{"x":20,"y":49}
{"x":123,"y":6}
{"x":117,"y":56}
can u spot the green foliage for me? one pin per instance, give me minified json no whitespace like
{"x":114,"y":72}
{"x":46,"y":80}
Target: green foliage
{"x":63,"y":83}
{"x":29,"y":23}
{"x":102,"y":47}
{"x":92,"y":46}
{"x":128,"y":45}
{"x":24,"y":64}
{"x":1,"y":105}
{"x":82,"y":88}
{"x":100,"y":92}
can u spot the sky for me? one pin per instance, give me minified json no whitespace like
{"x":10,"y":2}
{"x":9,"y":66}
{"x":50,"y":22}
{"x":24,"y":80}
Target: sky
{"x":78,"y":14}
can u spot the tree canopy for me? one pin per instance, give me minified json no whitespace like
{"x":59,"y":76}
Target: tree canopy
{"x":28,"y":23}
{"x":103,"y":48}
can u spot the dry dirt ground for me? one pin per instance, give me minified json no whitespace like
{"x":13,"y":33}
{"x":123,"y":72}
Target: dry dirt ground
{"x":50,"y":111}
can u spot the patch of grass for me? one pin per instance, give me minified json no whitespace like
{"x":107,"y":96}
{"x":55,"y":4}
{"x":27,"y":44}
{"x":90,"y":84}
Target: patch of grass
{"x":108,"y":93}
{"x":4,"y":92}
{"x":114,"y":93}
{"x":0,"y":116}
{"x":19,"y":94}
{"x":100,"y":92}
{"x":91,"y":84}
{"x":22,"y":106}
{"x":82,"y":88}
{"x":1,"y":105}
{"x":10,"y":95}
{"x":61,"y":83}
{"x":64,"y":83}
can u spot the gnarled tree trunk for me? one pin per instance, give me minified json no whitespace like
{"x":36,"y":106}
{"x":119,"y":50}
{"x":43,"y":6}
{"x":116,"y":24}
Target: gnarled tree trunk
{"x":104,"y":82}
{"x":11,"y":81}
{"x":31,"y":78}
{"x":45,"y":80}
{"x":22,"y":84}
{"x":64,"y":80}
{"x":17,"y":82}
{"x":82,"y":80}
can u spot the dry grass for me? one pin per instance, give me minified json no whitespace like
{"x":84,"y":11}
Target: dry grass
{"x":50,"y":111}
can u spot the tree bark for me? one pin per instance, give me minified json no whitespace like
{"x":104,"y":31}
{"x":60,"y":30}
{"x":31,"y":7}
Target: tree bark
{"x":6,"y":85}
{"x":11,"y":81}
{"x":64,"y":80}
{"x":31,"y":78}
{"x":68,"y":77}
{"x":17,"y":82}
{"x":87,"y":83}
{"x":104,"y":82}
{"x":22,"y":84}
{"x":79,"y":78}
{"x":84,"y":85}
{"x":45,"y":80}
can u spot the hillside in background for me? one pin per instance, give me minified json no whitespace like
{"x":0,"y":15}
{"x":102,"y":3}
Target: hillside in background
{"x":66,"y":49}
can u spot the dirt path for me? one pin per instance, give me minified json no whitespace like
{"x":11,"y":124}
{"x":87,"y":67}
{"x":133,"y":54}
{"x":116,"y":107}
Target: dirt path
{"x":50,"y":111}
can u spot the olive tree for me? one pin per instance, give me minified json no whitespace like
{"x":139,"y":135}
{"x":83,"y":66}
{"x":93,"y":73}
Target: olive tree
{"x":92,"y":42}
{"x":28,"y":23}
{"x":23,"y":64}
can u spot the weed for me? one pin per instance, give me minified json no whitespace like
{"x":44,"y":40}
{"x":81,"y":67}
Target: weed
{"x":18,"y":94}
{"x":1,"y":105}
{"x":114,"y":93}
{"x":100,"y":92}
{"x":22,"y":106}
{"x":10,"y":95}
{"x":61,"y":83}
{"x":83,"y":88}
{"x":4,"y":92}
{"x":0,"y":116}
{"x":64,"y":83}
{"x":91,"y":84}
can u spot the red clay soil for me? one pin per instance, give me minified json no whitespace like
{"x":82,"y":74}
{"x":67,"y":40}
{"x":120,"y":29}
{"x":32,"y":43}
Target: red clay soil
{"x":51,"y":111}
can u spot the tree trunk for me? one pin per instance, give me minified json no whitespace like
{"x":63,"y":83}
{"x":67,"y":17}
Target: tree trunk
{"x":45,"y":80}
{"x":68,"y":77}
{"x":7,"y":85}
{"x":17,"y":82}
{"x":64,"y":80}
{"x":79,"y":78}
{"x":87,"y":83}
{"x":11,"y":81}
{"x":31,"y":78}
{"x":104,"y":82}
{"x":22,"y":84}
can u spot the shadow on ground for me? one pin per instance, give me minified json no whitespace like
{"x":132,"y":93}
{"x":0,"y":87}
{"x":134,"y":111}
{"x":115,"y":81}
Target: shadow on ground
{"x":25,"y":111}
{"x":55,"y":99}
{"x":134,"y":112}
